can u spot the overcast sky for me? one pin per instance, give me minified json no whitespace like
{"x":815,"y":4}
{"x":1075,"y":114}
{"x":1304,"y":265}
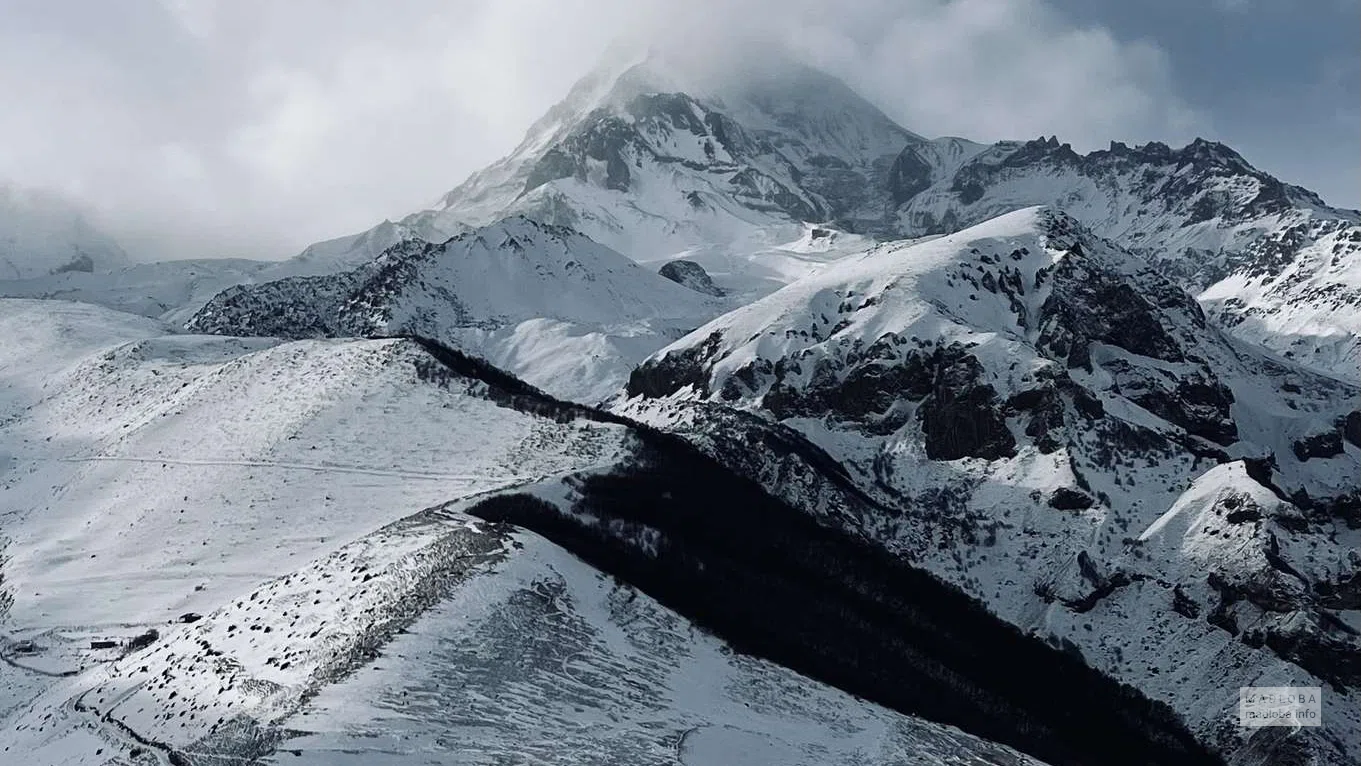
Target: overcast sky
{"x":254,"y":127}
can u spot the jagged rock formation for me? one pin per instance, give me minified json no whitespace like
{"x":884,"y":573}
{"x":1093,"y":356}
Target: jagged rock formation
{"x":1044,"y":420}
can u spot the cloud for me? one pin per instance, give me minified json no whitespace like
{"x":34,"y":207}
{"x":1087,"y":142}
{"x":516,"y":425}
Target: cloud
{"x":253,"y":127}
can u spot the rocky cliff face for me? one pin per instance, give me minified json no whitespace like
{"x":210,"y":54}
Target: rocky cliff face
{"x":1044,"y":420}
{"x":651,"y":161}
{"x":1270,"y":261}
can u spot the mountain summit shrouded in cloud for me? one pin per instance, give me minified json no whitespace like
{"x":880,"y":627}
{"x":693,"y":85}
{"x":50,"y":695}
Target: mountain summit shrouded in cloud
{"x":201,"y":129}
{"x":42,"y":233}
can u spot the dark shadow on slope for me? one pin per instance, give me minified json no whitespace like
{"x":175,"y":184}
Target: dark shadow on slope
{"x":774,"y":583}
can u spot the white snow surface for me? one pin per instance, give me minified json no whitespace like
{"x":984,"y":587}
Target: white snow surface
{"x":257,"y":504}
{"x":561,"y":311}
{"x":611,"y":676}
{"x":146,"y":474}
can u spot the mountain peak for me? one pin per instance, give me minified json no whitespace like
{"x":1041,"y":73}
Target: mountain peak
{"x":700,"y":154}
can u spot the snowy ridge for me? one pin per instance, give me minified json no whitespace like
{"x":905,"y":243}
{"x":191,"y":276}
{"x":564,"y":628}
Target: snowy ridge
{"x":1271,"y":260}
{"x":1032,"y":400}
{"x":657,"y":688}
{"x":566,"y":313}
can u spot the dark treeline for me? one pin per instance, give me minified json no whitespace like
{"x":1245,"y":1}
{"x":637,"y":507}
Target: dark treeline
{"x":774,"y":583}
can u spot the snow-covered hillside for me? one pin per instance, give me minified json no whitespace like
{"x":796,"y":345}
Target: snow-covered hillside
{"x":1270,"y":261}
{"x":546,"y":303}
{"x":203,"y":535}
{"x":41,"y":233}
{"x":166,"y":448}
{"x":1044,"y":420}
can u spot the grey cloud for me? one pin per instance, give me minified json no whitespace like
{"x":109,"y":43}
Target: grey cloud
{"x":250,"y":127}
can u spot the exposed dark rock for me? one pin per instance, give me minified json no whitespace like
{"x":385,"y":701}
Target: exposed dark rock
{"x":1202,"y":407}
{"x":553,"y":165}
{"x":1324,"y":445}
{"x":1351,"y":428}
{"x":663,"y":377}
{"x":1246,"y":514}
{"x":1101,"y":584}
{"x":1090,"y":303}
{"x":82,"y":262}
{"x":1183,"y":604}
{"x":1323,"y":650}
{"x":909,"y":176}
{"x":1068,"y":499}
{"x":1222,"y":616}
{"x":873,"y":389}
{"x":962,"y":417}
{"x":142,"y":641}
{"x":871,"y":395}
{"x":1345,"y":593}
{"x":690,"y":274}
{"x":1045,"y":407}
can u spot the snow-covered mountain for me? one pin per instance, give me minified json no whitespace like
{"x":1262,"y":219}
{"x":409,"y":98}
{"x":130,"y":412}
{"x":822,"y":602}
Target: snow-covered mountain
{"x":214,"y":549}
{"x":544,"y":302}
{"x":1270,"y":261}
{"x":658,"y":158}
{"x":1044,"y":420}
{"x":42,"y":233}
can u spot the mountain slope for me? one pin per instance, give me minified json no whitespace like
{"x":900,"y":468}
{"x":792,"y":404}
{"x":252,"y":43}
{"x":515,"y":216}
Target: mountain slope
{"x":759,"y":173}
{"x":215,"y":551}
{"x":41,"y":234}
{"x":543,"y":301}
{"x":1042,"y":419}
{"x":166,"y":448}
{"x":1270,"y":260}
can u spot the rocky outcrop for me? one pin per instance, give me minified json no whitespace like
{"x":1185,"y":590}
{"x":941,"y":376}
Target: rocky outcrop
{"x":692,"y":275}
{"x":962,"y":417}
